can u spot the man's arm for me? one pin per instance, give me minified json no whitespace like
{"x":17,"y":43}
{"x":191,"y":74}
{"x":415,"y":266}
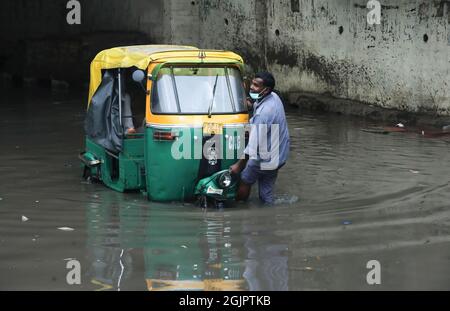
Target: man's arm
{"x":249,"y":104}
{"x":237,"y":167}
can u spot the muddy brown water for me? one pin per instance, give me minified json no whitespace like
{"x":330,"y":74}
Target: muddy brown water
{"x":347,"y":197}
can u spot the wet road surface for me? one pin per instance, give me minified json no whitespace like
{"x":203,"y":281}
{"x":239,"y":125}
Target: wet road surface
{"x":347,"y":197}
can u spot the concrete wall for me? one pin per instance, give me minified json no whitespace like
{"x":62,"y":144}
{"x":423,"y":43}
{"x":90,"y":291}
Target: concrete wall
{"x":234,"y":25}
{"x":327,"y":46}
{"x":389,"y":65}
{"x":316,"y":46}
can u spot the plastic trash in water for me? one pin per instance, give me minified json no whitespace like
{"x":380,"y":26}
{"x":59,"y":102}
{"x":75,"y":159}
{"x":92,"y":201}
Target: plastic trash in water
{"x":66,"y":229}
{"x":346,"y":222}
{"x":400,"y":125}
{"x":24,"y":218}
{"x":285,"y":199}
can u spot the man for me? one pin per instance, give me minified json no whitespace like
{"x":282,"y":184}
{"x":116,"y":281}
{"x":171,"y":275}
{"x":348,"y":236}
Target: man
{"x":268,"y":147}
{"x":127,"y":115}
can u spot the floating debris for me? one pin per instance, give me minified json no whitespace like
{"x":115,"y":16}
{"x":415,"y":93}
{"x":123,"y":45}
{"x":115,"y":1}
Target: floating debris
{"x":66,"y":229}
{"x":347,"y":222}
{"x":184,"y":246}
{"x":414,"y":172}
{"x":401,"y":125}
{"x":376,"y":131}
{"x":24,"y":218}
{"x":302,"y":268}
{"x":285,"y":199}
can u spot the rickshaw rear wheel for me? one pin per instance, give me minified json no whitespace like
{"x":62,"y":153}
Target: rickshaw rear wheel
{"x":87,"y":175}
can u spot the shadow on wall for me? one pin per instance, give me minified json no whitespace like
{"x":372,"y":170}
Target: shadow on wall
{"x":60,"y":58}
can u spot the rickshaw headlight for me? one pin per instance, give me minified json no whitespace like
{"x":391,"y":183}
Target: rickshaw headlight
{"x":225,"y":180}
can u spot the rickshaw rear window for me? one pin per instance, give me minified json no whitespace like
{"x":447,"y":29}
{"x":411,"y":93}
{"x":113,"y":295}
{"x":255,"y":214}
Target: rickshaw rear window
{"x":194,"y":90}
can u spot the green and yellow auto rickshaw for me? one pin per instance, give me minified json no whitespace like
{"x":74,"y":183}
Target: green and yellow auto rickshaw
{"x":166,"y":120}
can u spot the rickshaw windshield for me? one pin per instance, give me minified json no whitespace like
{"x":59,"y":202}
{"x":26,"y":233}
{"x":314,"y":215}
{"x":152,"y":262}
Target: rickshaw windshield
{"x":198,"y":90}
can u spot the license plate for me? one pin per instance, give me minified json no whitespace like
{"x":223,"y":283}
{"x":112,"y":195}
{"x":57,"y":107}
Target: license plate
{"x":212,"y":129}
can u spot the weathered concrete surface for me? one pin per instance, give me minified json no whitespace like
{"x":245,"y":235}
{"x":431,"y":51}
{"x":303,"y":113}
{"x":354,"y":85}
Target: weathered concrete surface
{"x":389,"y":65}
{"x":323,"y":46}
{"x":235,"y":25}
{"x":324,"y":103}
{"x":312,"y":46}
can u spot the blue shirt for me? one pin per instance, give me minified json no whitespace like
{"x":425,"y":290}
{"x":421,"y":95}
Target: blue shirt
{"x":265,"y":150}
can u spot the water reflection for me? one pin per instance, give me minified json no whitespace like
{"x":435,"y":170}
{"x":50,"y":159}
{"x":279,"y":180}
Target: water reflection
{"x":266,"y":266}
{"x":182,"y":247}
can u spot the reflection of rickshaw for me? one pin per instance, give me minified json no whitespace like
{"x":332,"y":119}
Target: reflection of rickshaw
{"x":195,"y":254}
{"x":131,"y":246}
{"x":194,"y":125}
{"x":193,"y":257}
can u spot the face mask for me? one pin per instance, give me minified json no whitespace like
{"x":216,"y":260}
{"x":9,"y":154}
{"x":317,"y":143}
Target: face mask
{"x":256,"y":96}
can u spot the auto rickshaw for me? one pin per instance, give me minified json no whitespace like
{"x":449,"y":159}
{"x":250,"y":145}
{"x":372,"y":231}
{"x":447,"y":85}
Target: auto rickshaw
{"x":193,"y":126}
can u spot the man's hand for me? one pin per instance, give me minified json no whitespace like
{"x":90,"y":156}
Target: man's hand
{"x":249,"y":103}
{"x":237,"y":167}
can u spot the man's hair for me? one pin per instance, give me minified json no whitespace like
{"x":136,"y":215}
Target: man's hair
{"x":267,"y":77}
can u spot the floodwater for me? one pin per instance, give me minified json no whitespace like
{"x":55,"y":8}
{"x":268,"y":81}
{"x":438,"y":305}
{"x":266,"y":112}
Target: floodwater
{"x":348,"y":197}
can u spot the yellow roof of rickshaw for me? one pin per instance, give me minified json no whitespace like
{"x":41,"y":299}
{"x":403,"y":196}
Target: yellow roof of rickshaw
{"x":141,"y":56}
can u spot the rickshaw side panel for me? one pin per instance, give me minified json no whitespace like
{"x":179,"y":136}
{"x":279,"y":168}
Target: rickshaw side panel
{"x":122,"y":174}
{"x":132,"y":163}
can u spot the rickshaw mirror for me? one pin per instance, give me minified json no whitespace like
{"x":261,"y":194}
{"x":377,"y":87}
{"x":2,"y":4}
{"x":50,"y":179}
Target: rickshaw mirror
{"x":138,"y":76}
